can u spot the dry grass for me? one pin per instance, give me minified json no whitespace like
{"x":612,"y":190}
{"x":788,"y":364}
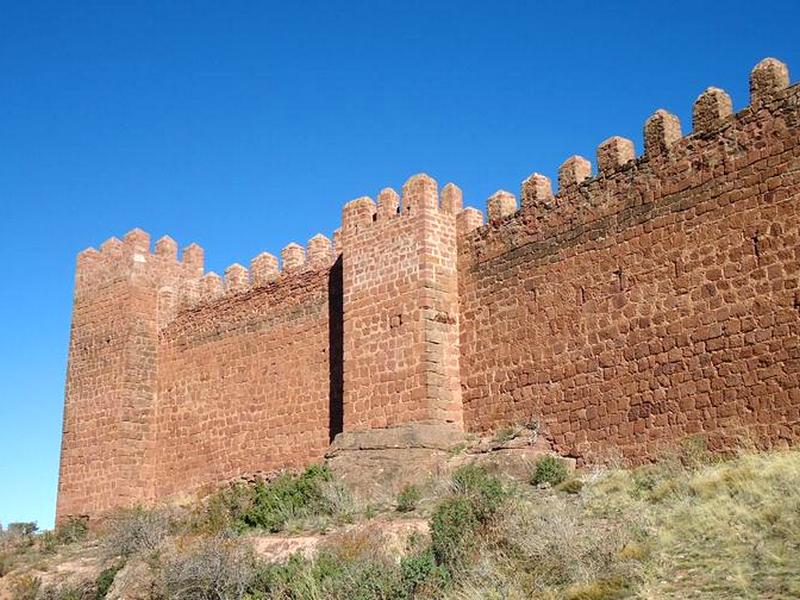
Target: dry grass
{"x":691,"y":526}
{"x":716,"y":530}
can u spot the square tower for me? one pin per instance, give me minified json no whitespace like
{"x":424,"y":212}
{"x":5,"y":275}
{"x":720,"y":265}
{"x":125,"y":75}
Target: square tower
{"x":401,"y":322}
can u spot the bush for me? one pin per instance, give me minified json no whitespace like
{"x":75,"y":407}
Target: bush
{"x":408,"y":498}
{"x":105,"y":580}
{"x":358,"y":565}
{"x":549,"y":471}
{"x":26,"y":529}
{"x":557,"y":545}
{"x":457,"y":520}
{"x":571,"y":486}
{"x":215,"y":568}
{"x":136,"y":531}
{"x":73,"y":529}
{"x":272,"y":505}
{"x":420,"y":573}
{"x":477,"y":483}
{"x":18,"y":535}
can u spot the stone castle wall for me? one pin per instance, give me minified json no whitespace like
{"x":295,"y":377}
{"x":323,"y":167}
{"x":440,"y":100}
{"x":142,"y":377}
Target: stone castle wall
{"x":654,"y":300}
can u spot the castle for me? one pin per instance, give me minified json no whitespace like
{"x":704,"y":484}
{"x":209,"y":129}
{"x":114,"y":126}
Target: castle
{"x":653,"y":300}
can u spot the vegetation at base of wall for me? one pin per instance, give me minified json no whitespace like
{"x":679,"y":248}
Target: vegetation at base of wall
{"x":549,"y":470}
{"x":689,"y":526}
{"x":137,"y":531}
{"x":408,"y":498}
{"x":290,"y":499}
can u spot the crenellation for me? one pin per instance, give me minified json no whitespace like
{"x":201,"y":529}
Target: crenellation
{"x":452,"y":199}
{"x":661,"y":131}
{"x":138,"y":241}
{"x":537,"y":192}
{"x":500,"y":205}
{"x":193,"y":258}
{"x":88,"y":263}
{"x":293,"y":257}
{"x":113,"y":246}
{"x":420,"y":192}
{"x":767,"y":79}
{"x":320,"y":252}
{"x":573,"y":171}
{"x":337,"y":241}
{"x":237,"y":278}
{"x":614,"y":153}
{"x":388,"y":203}
{"x":468,"y":220}
{"x":654,"y":301}
{"x":358,"y":213}
{"x":166,"y":247}
{"x":211,"y":287}
{"x":710,"y":110}
{"x":88,"y":259}
{"x":264,"y":268}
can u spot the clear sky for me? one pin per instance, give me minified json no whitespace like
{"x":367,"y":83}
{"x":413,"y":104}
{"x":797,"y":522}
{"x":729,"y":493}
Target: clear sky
{"x":246,"y":125}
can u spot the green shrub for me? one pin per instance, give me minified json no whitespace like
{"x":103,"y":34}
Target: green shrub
{"x":477,"y":483}
{"x":73,"y":529}
{"x":549,"y":470}
{"x":453,"y":525}
{"x":457,"y":520}
{"x":420,"y":573}
{"x":408,"y":498}
{"x":287,"y":497}
{"x":105,"y":580}
{"x":22,"y":529}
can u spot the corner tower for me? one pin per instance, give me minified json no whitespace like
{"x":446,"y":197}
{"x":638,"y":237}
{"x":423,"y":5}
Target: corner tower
{"x":123,"y":293}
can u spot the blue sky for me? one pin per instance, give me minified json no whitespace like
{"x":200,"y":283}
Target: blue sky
{"x":246,"y":125}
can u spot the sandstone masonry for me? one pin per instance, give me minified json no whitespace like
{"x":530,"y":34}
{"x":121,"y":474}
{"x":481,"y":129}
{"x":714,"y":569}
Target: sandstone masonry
{"x":654,"y":300}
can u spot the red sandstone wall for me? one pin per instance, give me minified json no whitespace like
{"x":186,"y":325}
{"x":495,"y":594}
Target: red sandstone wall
{"x":657,"y":300}
{"x":244,"y":384}
{"x":109,"y":432}
{"x":401,"y":308}
{"x":177,"y":379}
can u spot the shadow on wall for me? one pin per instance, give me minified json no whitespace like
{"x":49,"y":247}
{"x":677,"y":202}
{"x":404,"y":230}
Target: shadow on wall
{"x":335,"y":357}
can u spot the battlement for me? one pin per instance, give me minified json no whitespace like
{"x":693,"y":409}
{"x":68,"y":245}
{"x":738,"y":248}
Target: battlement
{"x":670,"y":163}
{"x":132,"y":259}
{"x":420,"y":194}
{"x":644,"y":299}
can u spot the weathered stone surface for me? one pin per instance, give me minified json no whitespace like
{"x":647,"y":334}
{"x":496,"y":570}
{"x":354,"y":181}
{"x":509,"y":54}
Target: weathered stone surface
{"x":656,"y":301}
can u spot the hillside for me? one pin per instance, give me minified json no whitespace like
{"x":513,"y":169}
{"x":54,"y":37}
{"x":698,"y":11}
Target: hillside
{"x":689,"y":526}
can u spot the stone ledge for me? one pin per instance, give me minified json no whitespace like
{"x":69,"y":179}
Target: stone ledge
{"x":415,"y":435}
